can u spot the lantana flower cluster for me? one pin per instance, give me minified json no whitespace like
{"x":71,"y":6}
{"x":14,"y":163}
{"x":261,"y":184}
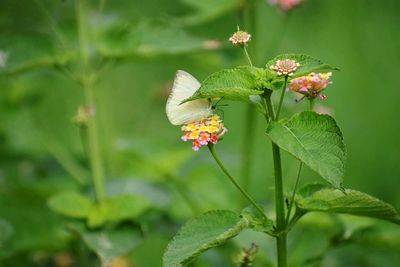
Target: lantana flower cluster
{"x":203,"y":132}
{"x":311,"y":85}
{"x":240,"y":38}
{"x":285,"y":67}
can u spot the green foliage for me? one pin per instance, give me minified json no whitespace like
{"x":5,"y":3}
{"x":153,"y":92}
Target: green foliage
{"x":30,"y":52}
{"x":116,"y":209}
{"x":146,"y":38}
{"x":257,"y":222}
{"x":154,"y":194}
{"x":318,"y":197}
{"x":71,"y":204}
{"x":207,"y":10}
{"x":113,"y":209}
{"x":314,"y":139}
{"x":6,"y":231}
{"x":108,"y":244}
{"x":307,"y":64}
{"x":234,"y":84}
{"x":208,"y":230}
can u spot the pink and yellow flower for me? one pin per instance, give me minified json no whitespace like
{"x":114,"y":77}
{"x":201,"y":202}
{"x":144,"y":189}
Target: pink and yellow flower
{"x":311,"y":85}
{"x":203,"y":132}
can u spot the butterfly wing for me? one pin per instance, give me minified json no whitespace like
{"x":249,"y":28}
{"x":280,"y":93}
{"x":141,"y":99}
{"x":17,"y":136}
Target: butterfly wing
{"x":185,"y":85}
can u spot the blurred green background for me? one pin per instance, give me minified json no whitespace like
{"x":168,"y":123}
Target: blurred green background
{"x":145,"y":42}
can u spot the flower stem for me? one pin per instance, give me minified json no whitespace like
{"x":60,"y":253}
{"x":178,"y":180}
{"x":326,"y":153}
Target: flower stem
{"x":279,"y":197}
{"x":312,"y":103}
{"x":238,"y":187}
{"x":281,"y":99}
{"x":246,"y":54}
{"x":294,"y":193}
{"x":88,"y":85}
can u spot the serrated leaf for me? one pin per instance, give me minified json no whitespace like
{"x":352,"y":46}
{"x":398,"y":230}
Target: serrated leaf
{"x":325,"y":198}
{"x":307,"y":64}
{"x":314,"y":139}
{"x":207,"y":10}
{"x":206,"y":231}
{"x":71,"y":204}
{"x":108,"y":244}
{"x":233,"y":84}
{"x":117,"y":209}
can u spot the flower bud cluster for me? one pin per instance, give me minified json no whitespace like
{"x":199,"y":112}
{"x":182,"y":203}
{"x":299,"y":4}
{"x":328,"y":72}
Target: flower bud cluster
{"x":203,"y":132}
{"x":240,"y":38}
{"x":311,"y":85}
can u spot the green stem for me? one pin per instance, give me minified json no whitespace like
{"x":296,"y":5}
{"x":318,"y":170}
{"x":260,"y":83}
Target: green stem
{"x":238,"y":187}
{"x":88,"y":83}
{"x":294,"y":193}
{"x":246,"y":54}
{"x":279,"y":197}
{"x":102,"y":4}
{"x":94,"y":148}
{"x":281,"y":99}
{"x":312,"y":103}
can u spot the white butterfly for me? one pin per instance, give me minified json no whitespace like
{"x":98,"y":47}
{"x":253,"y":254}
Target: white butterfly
{"x":185,"y":85}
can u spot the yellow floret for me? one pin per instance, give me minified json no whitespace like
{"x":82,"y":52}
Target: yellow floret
{"x":203,"y":128}
{"x":194,"y":135}
{"x":192,"y":127}
{"x":213,"y":129}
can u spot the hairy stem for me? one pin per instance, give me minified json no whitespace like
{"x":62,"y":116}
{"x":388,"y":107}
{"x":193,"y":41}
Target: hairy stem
{"x":238,"y":187}
{"x":279,"y":197}
{"x":95,"y":159}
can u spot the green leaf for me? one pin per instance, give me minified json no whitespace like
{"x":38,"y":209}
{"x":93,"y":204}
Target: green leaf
{"x":153,"y":193}
{"x":307,"y":64}
{"x":148,"y":39}
{"x":317,"y":197}
{"x":108,"y":244}
{"x":22,"y":53}
{"x":256,"y":221}
{"x":71,"y":204}
{"x":117,"y":209}
{"x":207,"y":10}
{"x":234,"y":84}
{"x":208,"y":230}
{"x":314,"y":139}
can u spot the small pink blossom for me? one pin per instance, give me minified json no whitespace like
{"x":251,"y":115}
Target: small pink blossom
{"x":286,"y":5}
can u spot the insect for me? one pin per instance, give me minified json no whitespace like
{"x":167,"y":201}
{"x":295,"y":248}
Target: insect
{"x":185,"y":85}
